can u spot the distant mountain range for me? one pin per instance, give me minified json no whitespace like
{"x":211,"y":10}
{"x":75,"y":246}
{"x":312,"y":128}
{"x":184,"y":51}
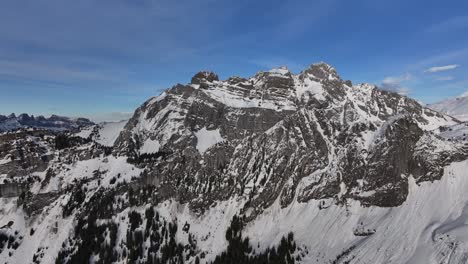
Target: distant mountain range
{"x":456,"y":107}
{"x":54,"y":122}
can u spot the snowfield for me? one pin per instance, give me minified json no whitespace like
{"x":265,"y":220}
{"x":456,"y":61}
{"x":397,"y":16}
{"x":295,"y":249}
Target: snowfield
{"x":430,"y":227}
{"x":207,"y":138}
{"x":456,"y":107}
{"x":104,"y":133}
{"x":109,"y":132}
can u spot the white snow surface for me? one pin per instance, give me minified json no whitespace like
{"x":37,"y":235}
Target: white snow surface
{"x":419,"y":231}
{"x":150,"y":146}
{"x":310,"y":88}
{"x":279,"y":71}
{"x":456,"y":107}
{"x":107,"y":132}
{"x":231,"y":99}
{"x":207,"y":138}
{"x":85,"y":132}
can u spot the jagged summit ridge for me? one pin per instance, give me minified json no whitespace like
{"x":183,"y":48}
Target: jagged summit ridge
{"x":277,"y":88}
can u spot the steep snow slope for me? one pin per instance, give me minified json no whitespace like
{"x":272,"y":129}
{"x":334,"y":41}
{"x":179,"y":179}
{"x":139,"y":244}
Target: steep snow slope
{"x":456,"y":107}
{"x":104,"y":133}
{"x":429,"y":227}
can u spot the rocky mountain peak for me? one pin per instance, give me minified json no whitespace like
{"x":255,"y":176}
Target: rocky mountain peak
{"x":282,"y":70}
{"x":25,"y":118}
{"x":322,"y":71}
{"x":204,"y":76}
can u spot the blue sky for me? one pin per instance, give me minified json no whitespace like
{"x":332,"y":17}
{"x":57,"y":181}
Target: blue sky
{"x":104,"y":58}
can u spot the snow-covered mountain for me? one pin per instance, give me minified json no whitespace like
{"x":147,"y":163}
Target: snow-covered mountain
{"x":275,"y":168}
{"x":456,"y":107}
{"x":54,"y":122}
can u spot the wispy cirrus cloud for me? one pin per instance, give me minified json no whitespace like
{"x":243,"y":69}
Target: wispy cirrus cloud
{"x":396,"y":83}
{"x":444,"y":58}
{"x":445,"y":78}
{"x":454,"y":23}
{"x":442,"y":68}
{"x":42,"y":72}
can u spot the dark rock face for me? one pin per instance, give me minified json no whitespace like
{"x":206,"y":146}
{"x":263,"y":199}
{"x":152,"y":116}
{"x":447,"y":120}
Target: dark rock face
{"x":286,"y":136}
{"x":390,"y":163}
{"x":8,"y":190}
{"x":22,"y":155}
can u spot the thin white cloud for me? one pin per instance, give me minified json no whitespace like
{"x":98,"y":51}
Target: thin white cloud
{"x":43,"y":71}
{"x":454,"y":23}
{"x":442,"y":68}
{"x":397,"y":79}
{"x":442,"y":59}
{"x":394,"y":83}
{"x":445,"y":78}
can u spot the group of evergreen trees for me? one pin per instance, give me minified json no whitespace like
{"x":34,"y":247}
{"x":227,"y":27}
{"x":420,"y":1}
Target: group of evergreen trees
{"x":146,"y":157}
{"x":63,"y":141}
{"x":76,"y":199}
{"x":150,"y":239}
{"x":90,"y":237}
{"x":239,"y":249}
{"x":9,"y":241}
{"x":89,"y":241}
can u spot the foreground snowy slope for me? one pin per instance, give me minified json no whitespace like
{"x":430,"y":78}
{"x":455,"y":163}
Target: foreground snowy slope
{"x":275,"y":168}
{"x":427,"y":235}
